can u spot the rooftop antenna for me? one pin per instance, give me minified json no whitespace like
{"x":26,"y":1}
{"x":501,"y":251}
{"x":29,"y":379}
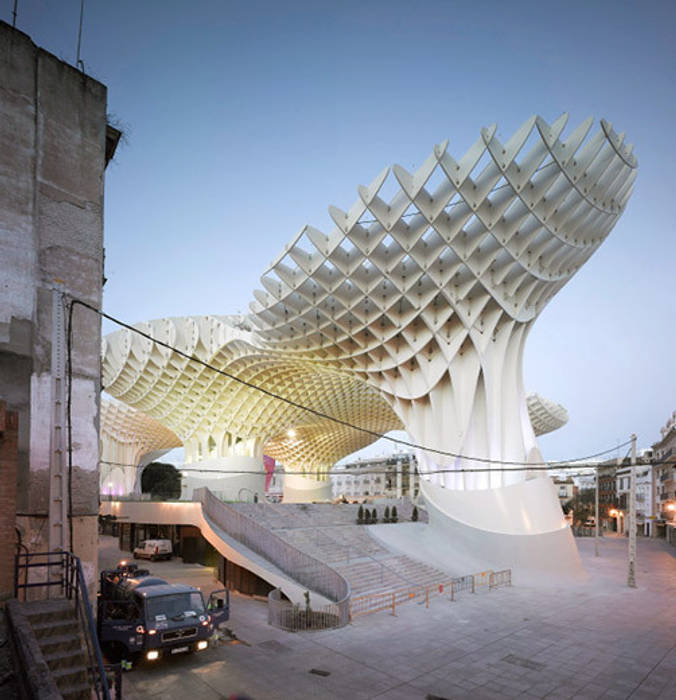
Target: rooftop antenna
{"x":78,"y":63}
{"x":16,"y":2}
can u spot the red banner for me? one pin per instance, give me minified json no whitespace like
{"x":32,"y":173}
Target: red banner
{"x":269,"y":464}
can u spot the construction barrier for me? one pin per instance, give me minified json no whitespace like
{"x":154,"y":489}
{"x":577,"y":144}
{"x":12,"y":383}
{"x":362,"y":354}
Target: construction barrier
{"x":500,"y":578}
{"x":388,"y":600}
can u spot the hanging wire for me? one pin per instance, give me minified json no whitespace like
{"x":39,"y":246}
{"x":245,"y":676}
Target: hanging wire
{"x":375,"y":434}
{"x":79,"y":63}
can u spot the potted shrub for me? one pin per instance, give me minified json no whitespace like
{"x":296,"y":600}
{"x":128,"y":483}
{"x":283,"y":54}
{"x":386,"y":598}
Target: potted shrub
{"x":395,"y":516}
{"x":374,"y":516}
{"x":360,"y":515}
{"x":386,"y":516}
{"x":414,"y":514}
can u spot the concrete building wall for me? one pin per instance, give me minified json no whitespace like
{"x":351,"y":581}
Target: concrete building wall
{"x":52,"y":158}
{"x":8,"y":462}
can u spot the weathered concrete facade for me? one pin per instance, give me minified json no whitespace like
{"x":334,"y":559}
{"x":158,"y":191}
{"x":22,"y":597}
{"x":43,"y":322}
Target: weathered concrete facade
{"x":9,"y":424}
{"x":54,"y":145}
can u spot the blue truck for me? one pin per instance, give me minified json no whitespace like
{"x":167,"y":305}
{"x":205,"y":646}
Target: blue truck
{"x":142,"y":616}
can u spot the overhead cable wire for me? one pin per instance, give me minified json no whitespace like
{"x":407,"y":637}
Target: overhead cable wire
{"x":366,"y":470}
{"x":321,"y":414}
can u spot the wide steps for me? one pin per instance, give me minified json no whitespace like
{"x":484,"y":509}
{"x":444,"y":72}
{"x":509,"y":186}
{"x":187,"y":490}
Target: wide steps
{"x":330,"y":534}
{"x":390,"y":574}
{"x":276,"y":516}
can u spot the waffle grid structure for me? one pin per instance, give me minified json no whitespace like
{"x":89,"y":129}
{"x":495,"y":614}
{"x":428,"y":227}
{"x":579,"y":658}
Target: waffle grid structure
{"x":411,"y":312}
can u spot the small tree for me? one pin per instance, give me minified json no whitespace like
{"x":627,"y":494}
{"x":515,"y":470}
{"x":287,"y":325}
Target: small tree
{"x":374,"y":516}
{"x":395,"y":516}
{"x":162,"y":481}
{"x":360,"y":515}
{"x":367,"y":516}
{"x":386,"y":517}
{"x":414,"y":514}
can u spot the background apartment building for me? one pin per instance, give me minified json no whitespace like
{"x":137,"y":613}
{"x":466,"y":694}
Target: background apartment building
{"x":380,"y":477}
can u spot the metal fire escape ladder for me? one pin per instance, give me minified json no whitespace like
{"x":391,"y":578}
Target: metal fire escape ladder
{"x":58,"y":486}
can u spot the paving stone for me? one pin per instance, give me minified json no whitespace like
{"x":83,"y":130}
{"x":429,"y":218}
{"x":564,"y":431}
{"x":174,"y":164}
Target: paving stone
{"x":585,"y":640}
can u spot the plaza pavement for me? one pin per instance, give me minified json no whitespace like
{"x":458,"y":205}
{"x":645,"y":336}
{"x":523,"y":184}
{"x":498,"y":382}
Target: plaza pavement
{"x":595,"y":639}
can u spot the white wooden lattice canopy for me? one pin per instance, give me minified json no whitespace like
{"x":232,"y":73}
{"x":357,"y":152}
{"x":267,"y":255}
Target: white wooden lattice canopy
{"x":411,"y":312}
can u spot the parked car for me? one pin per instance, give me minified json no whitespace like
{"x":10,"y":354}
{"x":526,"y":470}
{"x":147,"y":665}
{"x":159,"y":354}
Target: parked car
{"x":153,"y":550}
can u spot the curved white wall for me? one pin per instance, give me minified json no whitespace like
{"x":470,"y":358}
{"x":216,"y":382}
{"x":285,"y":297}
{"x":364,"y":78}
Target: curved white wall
{"x":527,"y":508}
{"x":517,"y":527}
{"x":235,"y":478}
{"x":299,"y":489}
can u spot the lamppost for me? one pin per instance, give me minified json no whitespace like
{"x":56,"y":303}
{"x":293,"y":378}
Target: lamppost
{"x":631,"y":575}
{"x":596,"y":514}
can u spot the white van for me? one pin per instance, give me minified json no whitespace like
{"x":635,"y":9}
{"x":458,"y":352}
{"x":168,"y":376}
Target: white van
{"x":153,"y":550}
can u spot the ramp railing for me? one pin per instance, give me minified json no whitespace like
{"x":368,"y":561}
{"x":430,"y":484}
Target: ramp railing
{"x":315,"y":575}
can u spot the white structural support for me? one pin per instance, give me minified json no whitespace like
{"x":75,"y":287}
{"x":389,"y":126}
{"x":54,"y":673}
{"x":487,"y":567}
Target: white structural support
{"x":412,"y":312}
{"x":130,"y":440}
{"x":429,"y":296}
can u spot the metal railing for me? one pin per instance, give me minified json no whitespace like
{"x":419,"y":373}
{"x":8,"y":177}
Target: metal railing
{"x":295,"y":618}
{"x":388,"y":600}
{"x":500,"y":578}
{"x":310,"y":572}
{"x":358,"y":553}
{"x":63,"y":571}
{"x":585,"y":531}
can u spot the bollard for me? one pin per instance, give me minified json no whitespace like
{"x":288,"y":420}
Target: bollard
{"x":393,"y":609}
{"x":427,"y":597}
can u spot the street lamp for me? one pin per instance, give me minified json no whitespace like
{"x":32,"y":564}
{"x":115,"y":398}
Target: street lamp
{"x":617,"y":514}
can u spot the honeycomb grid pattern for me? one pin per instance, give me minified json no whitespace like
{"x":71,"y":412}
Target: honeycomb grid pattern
{"x":429,"y":296}
{"x":216,"y":416}
{"x":129,"y":438}
{"x":410,"y":313}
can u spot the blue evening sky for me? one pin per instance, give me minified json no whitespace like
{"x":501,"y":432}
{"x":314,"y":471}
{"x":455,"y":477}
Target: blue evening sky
{"x":243,"y":121}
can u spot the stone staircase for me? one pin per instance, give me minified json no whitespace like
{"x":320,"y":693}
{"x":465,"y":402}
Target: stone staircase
{"x":334,"y":544}
{"x":391,"y":573}
{"x":328,"y":533}
{"x":298,"y":515}
{"x":57,"y":632}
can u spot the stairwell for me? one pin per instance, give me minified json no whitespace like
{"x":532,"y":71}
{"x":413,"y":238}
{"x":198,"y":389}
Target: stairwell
{"x":329,"y":533}
{"x":57,"y":633}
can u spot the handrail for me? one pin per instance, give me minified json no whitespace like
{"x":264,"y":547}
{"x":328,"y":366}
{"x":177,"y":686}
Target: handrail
{"x":298,"y":565}
{"x":366,"y":555}
{"x":346,"y":547}
{"x":69,"y":576}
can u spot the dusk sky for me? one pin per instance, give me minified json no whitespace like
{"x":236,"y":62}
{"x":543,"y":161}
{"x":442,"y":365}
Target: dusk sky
{"x":244,"y":121}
